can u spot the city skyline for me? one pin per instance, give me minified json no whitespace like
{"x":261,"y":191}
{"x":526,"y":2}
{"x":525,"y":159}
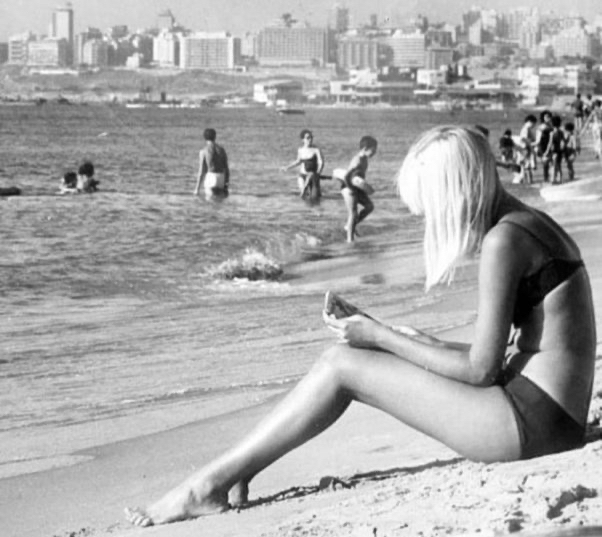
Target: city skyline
{"x":238,"y":16}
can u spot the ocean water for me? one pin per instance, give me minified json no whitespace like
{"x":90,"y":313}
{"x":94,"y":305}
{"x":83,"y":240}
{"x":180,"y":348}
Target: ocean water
{"x":108,"y":306}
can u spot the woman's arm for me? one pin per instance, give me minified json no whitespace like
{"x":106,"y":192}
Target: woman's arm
{"x":504,"y":259}
{"x":294,"y":163}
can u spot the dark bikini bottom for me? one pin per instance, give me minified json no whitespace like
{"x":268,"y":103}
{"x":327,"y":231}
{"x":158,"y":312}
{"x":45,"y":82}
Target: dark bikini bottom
{"x":544,"y":426}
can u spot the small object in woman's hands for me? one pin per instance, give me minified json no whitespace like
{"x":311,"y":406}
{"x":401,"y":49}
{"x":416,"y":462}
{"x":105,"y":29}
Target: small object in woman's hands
{"x":405,"y":330}
{"x":339,"y":308}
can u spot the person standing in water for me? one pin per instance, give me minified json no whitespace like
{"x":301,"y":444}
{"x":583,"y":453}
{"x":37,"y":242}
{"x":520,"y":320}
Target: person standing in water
{"x":309,"y":157}
{"x":214,"y":172}
{"x":355,"y":190}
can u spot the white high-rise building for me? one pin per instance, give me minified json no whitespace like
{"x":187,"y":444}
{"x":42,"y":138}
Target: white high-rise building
{"x":62,"y":28}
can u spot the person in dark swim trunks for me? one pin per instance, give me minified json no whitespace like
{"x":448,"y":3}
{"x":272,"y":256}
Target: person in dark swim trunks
{"x":481,"y":401}
{"x":357,"y":192}
{"x":309,"y":157}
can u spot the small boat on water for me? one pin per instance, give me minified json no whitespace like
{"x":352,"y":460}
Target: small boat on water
{"x":285,"y":111}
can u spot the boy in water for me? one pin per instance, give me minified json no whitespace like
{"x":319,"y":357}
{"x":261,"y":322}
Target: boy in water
{"x":214,"y":172}
{"x":85,"y":178}
{"x":355,"y":190}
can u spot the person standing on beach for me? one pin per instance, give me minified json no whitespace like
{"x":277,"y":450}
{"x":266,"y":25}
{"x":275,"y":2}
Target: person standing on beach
{"x":214,"y":171}
{"x":571,"y":149}
{"x":578,"y":107}
{"x":556,"y":149}
{"x":487,"y":401}
{"x":309,"y":157}
{"x":527,"y":151}
{"x":354,"y":188}
{"x":542,"y":143}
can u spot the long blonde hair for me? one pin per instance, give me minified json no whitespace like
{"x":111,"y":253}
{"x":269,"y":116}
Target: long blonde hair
{"x":450,"y":177}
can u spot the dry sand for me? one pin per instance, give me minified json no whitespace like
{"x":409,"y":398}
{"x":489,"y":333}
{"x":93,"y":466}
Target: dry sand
{"x":388,"y":479}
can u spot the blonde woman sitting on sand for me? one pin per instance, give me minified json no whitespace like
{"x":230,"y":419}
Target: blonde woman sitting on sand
{"x":481,"y":400}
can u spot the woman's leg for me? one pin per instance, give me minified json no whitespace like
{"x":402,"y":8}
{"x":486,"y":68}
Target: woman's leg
{"x":351,"y":204}
{"x":476,"y":422}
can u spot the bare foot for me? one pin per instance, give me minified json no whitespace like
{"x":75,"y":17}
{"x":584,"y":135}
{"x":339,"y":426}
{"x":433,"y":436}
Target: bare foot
{"x":181,"y":503}
{"x":239,"y":494}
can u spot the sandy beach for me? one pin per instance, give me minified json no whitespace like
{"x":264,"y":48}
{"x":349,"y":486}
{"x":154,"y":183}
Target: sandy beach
{"x":368,"y":475}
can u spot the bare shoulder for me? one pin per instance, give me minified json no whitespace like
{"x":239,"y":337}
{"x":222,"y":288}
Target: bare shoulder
{"x":505,"y":241}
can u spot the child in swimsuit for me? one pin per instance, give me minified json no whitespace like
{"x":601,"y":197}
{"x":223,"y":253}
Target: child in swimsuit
{"x":311,"y":163}
{"x":356,"y":192}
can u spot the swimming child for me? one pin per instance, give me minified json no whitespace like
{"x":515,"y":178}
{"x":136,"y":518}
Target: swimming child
{"x":354,"y":189}
{"x":309,"y":157}
{"x":85,"y":178}
{"x":69,"y":183}
{"x":82,"y":181}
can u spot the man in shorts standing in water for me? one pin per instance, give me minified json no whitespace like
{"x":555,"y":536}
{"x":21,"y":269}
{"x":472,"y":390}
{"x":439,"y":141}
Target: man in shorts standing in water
{"x":214,"y":172}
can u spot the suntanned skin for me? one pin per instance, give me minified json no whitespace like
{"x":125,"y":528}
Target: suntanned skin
{"x":444,"y":389}
{"x":358,"y":163}
{"x":212,"y":157}
{"x":306,"y":152}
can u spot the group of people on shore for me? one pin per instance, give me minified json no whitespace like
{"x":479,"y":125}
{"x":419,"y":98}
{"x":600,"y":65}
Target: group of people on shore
{"x":214,"y":175}
{"x":550,"y":143}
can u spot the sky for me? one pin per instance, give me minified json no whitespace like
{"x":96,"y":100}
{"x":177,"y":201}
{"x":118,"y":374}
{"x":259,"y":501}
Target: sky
{"x":237,"y":16}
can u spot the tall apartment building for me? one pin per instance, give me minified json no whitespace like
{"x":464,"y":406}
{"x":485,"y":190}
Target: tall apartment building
{"x":292,"y":46}
{"x":341,"y":19}
{"x":80,"y":40}
{"x":407,"y":49}
{"x":357,"y":53}
{"x":438,"y":57}
{"x":574,"y":42}
{"x":166,"y":49}
{"x":3,"y":52}
{"x":529,"y":37}
{"x":48,"y":53}
{"x":475,"y":33}
{"x":62,"y":27}
{"x":204,"y":50}
{"x":18,"y":48}
{"x":95,"y":53}
{"x":515,"y":20}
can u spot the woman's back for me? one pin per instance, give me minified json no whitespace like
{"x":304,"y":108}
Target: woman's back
{"x":554,"y":311}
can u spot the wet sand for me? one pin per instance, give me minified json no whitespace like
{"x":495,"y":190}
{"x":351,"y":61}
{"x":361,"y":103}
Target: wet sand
{"x":398,"y":482}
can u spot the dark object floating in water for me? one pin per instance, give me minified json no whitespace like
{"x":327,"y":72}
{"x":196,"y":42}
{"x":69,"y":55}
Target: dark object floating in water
{"x":10,"y":191}
{"x":290,"y":111}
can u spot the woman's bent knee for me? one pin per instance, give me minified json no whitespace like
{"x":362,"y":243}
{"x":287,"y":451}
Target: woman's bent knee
{"x":336,"y":358}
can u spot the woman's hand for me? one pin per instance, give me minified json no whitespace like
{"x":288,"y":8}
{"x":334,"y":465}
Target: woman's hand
{"x":357,"y":330}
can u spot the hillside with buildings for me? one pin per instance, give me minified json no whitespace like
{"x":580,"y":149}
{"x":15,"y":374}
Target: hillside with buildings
{"x":518,"y":57}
